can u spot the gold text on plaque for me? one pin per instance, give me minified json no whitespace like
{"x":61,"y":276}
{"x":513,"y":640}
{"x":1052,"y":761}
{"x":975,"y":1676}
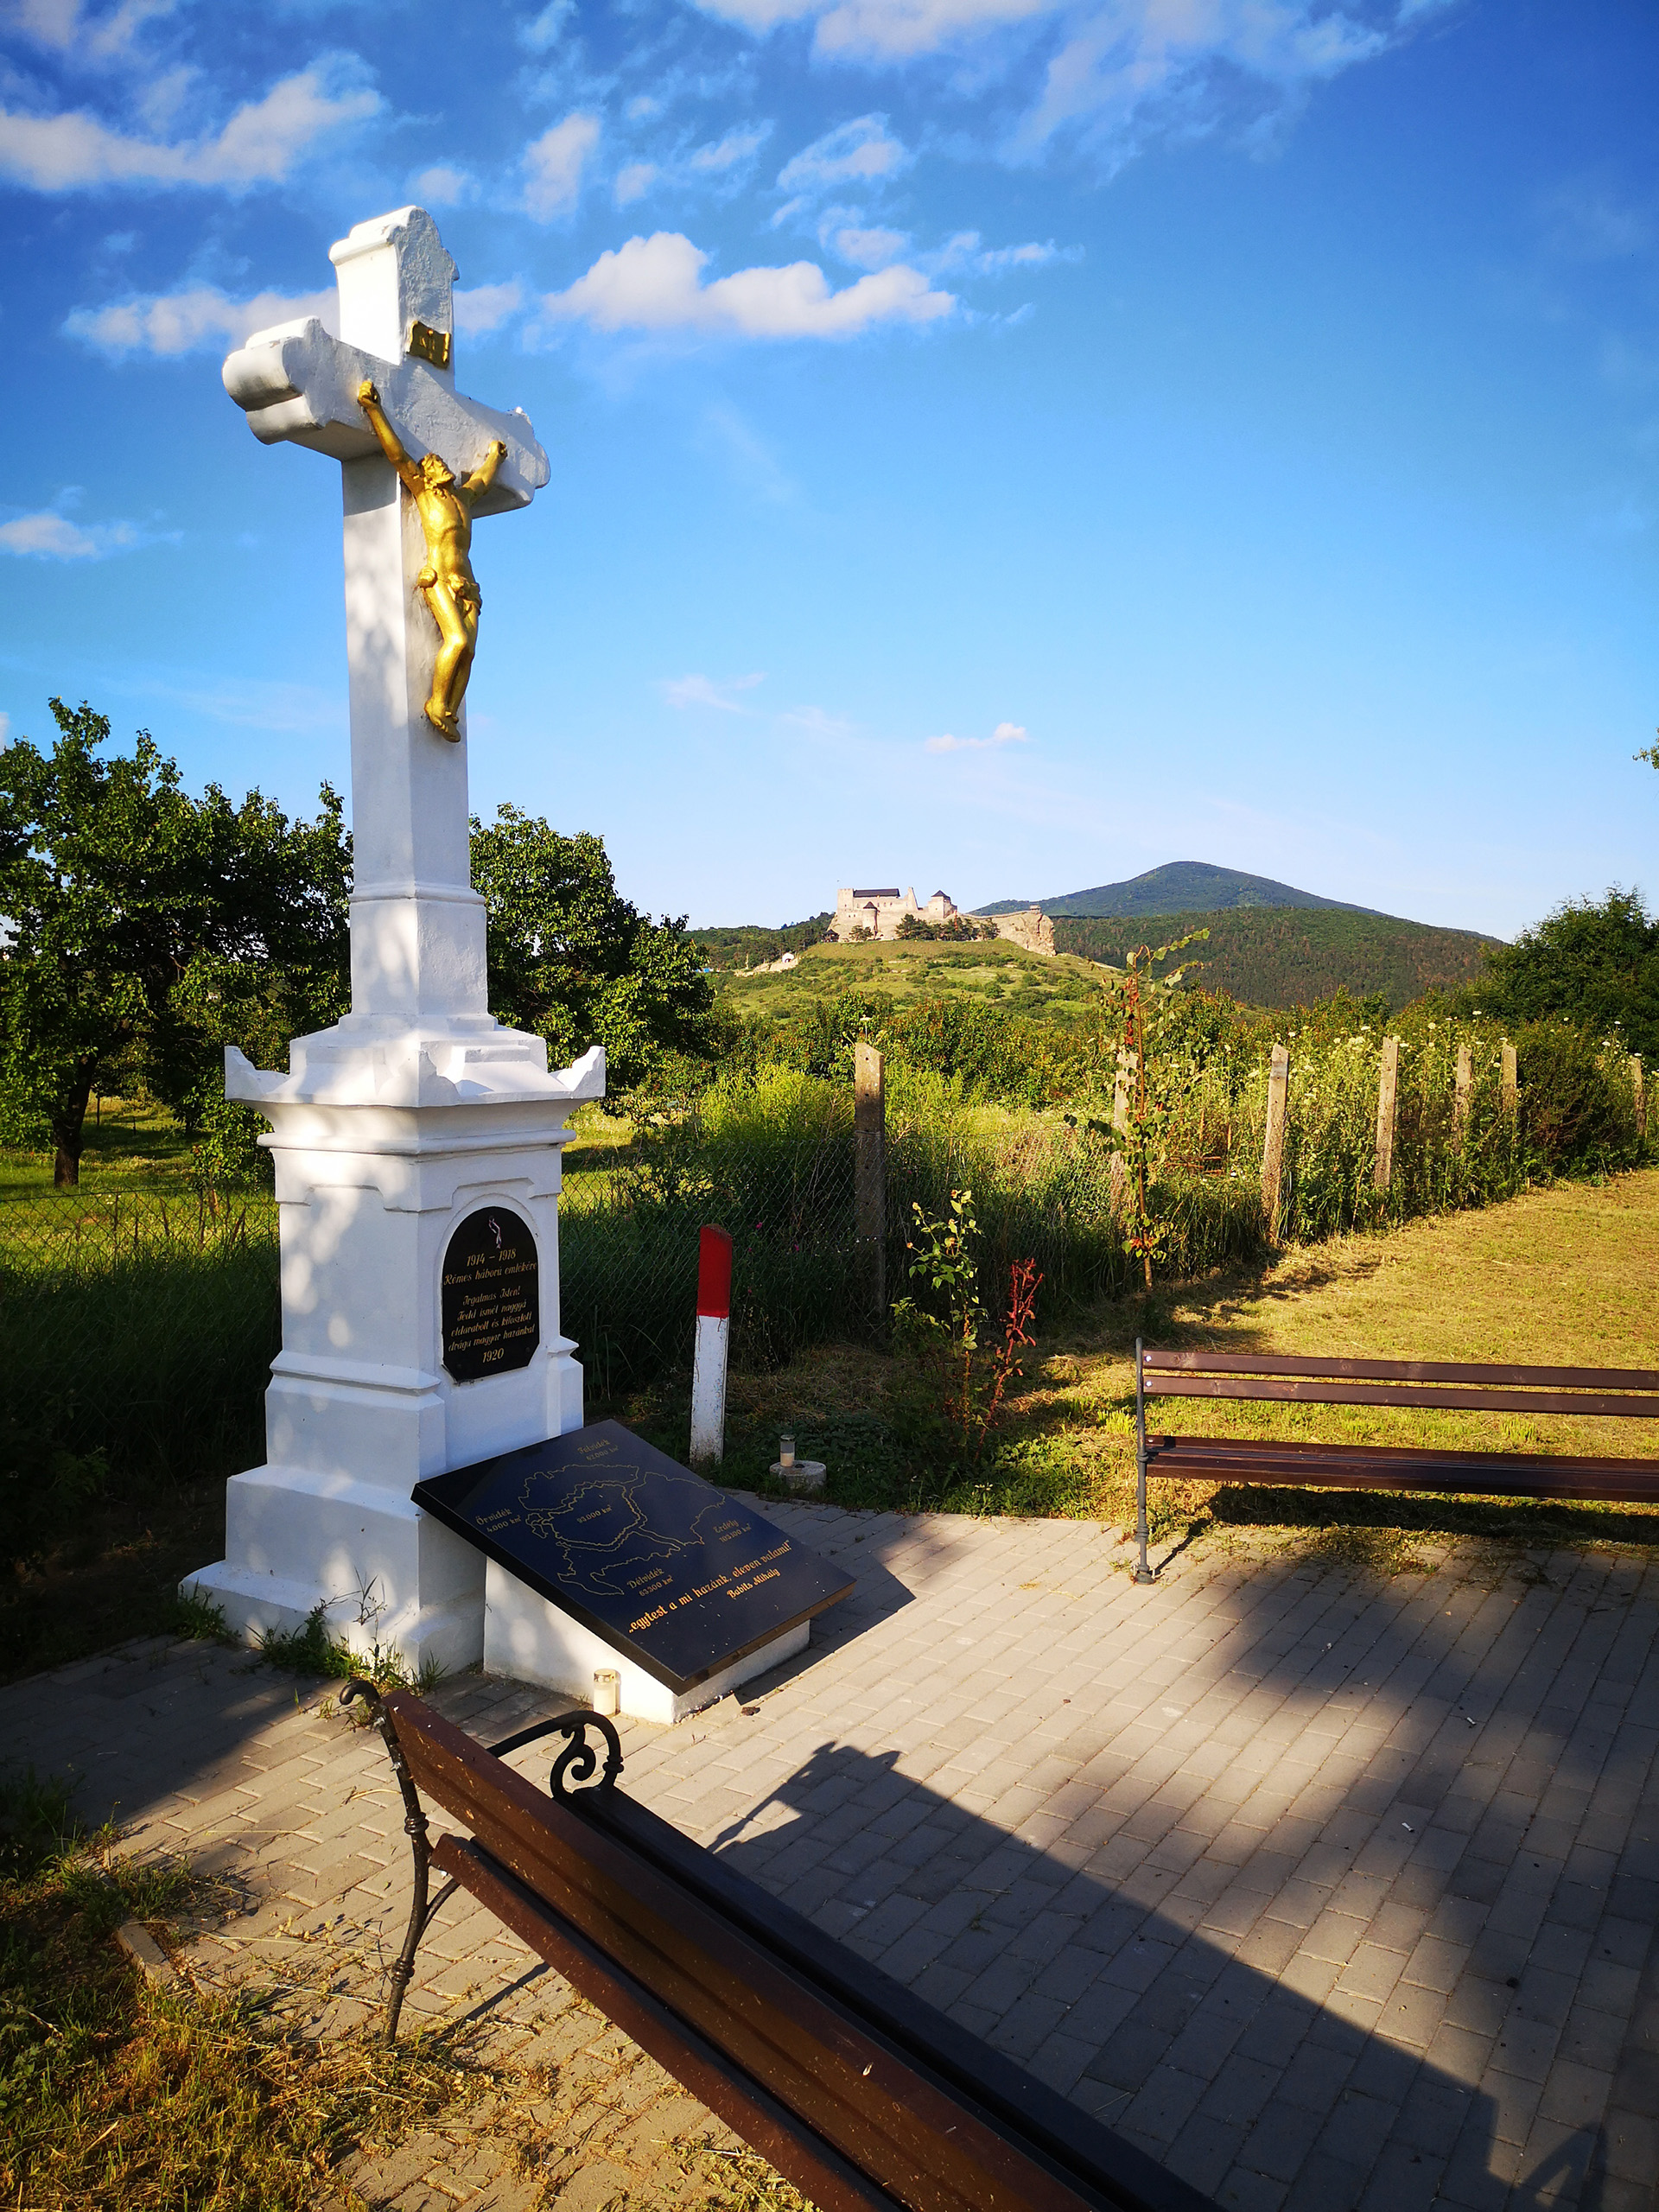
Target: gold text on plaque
{"x":444,"y":507}
{"x":429,"y":344}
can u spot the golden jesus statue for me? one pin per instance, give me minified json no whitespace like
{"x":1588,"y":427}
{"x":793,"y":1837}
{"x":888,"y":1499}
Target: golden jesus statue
{"x":446,"y":578}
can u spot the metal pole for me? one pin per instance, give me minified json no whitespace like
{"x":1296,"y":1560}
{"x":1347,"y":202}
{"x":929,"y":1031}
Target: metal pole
{"x":1142,"y":1569}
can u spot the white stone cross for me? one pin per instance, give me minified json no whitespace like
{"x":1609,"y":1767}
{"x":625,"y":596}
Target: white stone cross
{"x":417,"y":924}
{"x":391,"y":1130}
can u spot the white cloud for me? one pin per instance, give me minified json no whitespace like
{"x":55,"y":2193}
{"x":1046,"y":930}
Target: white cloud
{"x":543,"y":31}
{"x":1110,"y":66}
{"x":886,"y":28}
{"x":487,"y":306}
{"x":967,"y":250}
{"x":817,"y":721}
{"x":197,"y":319}
{"x":740,"y":144}
{"x":1004,"y":733}
{"x":554,"y":165}
{"x":656,"y":284}
{"x":67,"y":26}
{"x":260,"y":145}
{"x":52,"y":537}
{"x":1123,"y":62}
{"x":861,"y":151}
{"x":705,"y":691}
{"x":868,"y":246}
{"x":633,"y":182}
{"x":445,"y":188}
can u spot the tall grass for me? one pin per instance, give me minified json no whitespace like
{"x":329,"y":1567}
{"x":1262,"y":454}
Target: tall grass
{"x":771,"y":1161}
{"x":136,"y":1334}
{"x":137,"y":1331}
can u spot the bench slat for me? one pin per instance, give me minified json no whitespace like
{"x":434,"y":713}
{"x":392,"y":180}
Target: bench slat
{"x":1006,"y":2091}
{"x":1404,"y":1370}
{"x":875,"y":2102}
{"x":798,"y":2153}
{"x":1314,"y":1392}
{"x":1490,"y":1474}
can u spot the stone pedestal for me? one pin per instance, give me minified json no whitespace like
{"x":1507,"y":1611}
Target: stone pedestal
{"x":382,"y":1149}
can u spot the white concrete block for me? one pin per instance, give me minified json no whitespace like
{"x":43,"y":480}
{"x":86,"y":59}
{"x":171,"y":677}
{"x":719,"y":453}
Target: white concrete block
{"x":531,"y":1640}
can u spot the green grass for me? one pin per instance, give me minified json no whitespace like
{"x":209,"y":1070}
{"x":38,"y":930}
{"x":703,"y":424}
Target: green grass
{"x":1556,"y":1276}
{"x":1000,"y":974}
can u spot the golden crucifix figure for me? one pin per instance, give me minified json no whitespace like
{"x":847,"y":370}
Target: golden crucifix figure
{"x":446,"y":579}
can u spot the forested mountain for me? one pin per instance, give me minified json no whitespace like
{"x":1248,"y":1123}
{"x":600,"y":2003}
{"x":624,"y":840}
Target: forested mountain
{"x":1181,"y":887}
{"x":1291,"y":955}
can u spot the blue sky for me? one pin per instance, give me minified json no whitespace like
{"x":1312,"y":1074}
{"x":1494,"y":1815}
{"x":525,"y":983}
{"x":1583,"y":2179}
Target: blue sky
{"x":997,"y":444}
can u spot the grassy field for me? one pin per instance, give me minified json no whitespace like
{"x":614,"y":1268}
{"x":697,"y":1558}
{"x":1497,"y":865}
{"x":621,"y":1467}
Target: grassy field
{"x":110,"y":1487}
{"x":1563,"y":1276}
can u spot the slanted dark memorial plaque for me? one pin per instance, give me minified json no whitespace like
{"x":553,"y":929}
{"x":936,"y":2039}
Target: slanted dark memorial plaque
{"x":676,"y":1575}
{"x":492,"y":1295}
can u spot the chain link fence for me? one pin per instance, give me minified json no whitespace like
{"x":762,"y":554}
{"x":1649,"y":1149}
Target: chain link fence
{"x":143,"y":1327}
{"x":136,"y":1326}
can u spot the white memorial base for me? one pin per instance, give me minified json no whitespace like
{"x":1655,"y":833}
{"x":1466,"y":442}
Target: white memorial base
{"x":384,"y":1145}
{"x":530,"y":1640}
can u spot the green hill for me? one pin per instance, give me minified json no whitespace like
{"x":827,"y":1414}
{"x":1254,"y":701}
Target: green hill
{"x":1026,"y":982}
{"x":1284,"y":956}
{"x":1181,"y":887}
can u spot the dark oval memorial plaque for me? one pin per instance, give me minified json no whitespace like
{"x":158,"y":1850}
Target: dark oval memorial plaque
{"x":492,"y":1295}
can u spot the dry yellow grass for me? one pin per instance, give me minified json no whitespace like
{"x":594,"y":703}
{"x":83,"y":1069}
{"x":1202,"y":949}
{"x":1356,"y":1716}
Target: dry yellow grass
{"x":1559,"y":1277}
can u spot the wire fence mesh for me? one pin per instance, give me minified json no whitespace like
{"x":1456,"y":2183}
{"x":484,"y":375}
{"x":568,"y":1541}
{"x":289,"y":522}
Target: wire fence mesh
{"x":142,"y":1325}
{"x":137,"y":1325}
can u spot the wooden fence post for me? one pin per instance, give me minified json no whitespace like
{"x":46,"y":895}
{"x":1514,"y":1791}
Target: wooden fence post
{"x":1639,"y":1093}
{"x":1464,"y":1093}
{"x":1388,"y":1094}
{"x":1509,"y":1088}
{"x":870,"y":1166}
{"x":1273,"y":1150}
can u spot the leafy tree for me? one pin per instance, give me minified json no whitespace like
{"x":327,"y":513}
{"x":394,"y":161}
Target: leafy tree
{"x":142,"y":926}
{"x":573,"y":961}
{"x":1596,"y":965}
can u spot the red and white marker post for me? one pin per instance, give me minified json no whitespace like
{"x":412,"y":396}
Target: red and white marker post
{"x":714,"y":1337}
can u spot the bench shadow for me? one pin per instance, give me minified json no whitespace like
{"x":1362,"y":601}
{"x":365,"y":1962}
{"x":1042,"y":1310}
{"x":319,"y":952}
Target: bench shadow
{"x":1251,"y":2089}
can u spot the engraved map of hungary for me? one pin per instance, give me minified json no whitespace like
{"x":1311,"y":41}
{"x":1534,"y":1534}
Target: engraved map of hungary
{"x":612,"y":1528}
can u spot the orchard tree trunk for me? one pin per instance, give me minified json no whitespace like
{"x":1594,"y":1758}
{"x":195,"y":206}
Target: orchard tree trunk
{"x":69,"y":1126}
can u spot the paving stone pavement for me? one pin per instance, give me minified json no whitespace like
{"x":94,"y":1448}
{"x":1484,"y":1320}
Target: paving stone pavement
{"x":1337,"y":1893}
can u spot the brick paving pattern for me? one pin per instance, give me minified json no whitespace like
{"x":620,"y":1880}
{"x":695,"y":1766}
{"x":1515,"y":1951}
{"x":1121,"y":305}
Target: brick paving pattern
{"x":1331,"y":1891}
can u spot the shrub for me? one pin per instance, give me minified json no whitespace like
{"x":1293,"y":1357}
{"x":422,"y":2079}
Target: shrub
{"x":1575,"y":1112}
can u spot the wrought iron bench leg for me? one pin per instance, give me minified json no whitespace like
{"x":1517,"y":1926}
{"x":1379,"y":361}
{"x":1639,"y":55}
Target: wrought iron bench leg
{"x":420,"y":1911}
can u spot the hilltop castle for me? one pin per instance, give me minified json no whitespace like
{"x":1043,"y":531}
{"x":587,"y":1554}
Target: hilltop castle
{"x":881,"y":911}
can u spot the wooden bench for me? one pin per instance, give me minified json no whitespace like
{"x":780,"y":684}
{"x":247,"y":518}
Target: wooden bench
{"x":1616,"y":1393}
{"x":859,"y":2093}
